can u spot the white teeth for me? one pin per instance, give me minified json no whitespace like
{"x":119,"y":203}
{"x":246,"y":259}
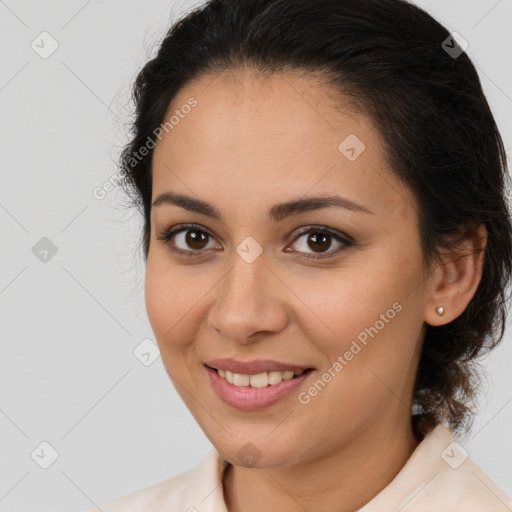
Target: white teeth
{"x":275,"y":377}
{"x":241,"y":380}
{"x":259,"y":380}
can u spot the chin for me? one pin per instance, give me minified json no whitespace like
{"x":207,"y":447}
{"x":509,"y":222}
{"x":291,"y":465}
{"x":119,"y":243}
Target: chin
{"x":257,"y":455}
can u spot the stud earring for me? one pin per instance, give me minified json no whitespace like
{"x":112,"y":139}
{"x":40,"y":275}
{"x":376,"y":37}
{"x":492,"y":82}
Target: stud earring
{"x":440,"y":310}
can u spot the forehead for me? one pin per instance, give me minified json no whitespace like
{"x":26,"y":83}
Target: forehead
{"x":290,"y":105}
{"x":285,"y":133}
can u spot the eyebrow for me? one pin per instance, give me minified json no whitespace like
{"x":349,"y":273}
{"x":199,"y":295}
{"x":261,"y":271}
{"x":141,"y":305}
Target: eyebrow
{"x":277,"y":213}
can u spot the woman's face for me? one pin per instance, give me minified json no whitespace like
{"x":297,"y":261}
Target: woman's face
{"x":244,"y":285}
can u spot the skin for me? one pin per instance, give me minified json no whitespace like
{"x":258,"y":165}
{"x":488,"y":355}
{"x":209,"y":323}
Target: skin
{"x":250,"y":143}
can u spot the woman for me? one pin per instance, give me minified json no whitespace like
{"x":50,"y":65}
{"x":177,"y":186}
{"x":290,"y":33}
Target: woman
{"x":328,"y":249}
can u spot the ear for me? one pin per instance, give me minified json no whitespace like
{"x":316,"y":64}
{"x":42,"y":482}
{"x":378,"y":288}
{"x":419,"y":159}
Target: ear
{"x":456,"y":279}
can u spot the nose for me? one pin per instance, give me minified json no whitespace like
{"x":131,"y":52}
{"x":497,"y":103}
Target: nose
{"x":250,"y":303}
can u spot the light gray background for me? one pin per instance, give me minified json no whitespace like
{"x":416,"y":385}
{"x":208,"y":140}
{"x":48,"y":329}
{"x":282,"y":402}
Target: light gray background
{"x":69,"y":326}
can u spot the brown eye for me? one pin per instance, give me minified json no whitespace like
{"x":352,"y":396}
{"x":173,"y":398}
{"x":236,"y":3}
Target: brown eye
{"x":319,"y":240}
{"x":195,"y":239}
{"x":187,"y":240}
{"x":191,"y":241}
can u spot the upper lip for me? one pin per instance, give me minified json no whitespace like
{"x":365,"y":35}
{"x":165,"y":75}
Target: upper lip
{"x":253,"y":367}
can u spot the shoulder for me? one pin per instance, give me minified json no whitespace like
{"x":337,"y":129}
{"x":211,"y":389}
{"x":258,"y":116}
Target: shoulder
{"x":196,"y":490}
{"x":440,"y":476}
{"x":467,"y":490}
{"x":455,"y":482}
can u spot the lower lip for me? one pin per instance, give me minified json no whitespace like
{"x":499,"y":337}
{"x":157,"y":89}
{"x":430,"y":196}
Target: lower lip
{"x":248,"y":398}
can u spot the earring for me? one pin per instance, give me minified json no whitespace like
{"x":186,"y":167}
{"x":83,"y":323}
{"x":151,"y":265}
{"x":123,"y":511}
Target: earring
{"x":440,"y":310}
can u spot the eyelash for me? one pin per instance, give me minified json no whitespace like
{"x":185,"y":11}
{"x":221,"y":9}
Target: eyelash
{"x":167,"y":236}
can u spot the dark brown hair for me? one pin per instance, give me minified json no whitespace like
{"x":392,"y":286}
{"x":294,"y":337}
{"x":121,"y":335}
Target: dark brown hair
{"x":400,"y":67}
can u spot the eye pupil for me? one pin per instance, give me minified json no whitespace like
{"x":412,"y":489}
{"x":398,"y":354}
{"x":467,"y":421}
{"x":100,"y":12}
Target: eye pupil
{"x":319,"y":240}
{"x":194,"y":237}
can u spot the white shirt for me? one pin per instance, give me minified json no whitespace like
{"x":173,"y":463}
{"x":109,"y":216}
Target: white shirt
{"x":438,"y":477}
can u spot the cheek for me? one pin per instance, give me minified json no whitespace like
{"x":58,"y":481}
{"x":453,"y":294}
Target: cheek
{"x":167,"y":302}
{"x":367,"y":325}
{"x":158,"y":296}
{"x":343,"y":306}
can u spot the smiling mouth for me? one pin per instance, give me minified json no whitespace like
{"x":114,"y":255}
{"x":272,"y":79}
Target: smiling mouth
{"x":259,"y":380}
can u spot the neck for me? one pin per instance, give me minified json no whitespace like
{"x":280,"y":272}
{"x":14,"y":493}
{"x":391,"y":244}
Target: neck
{"x":349,"y":476}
